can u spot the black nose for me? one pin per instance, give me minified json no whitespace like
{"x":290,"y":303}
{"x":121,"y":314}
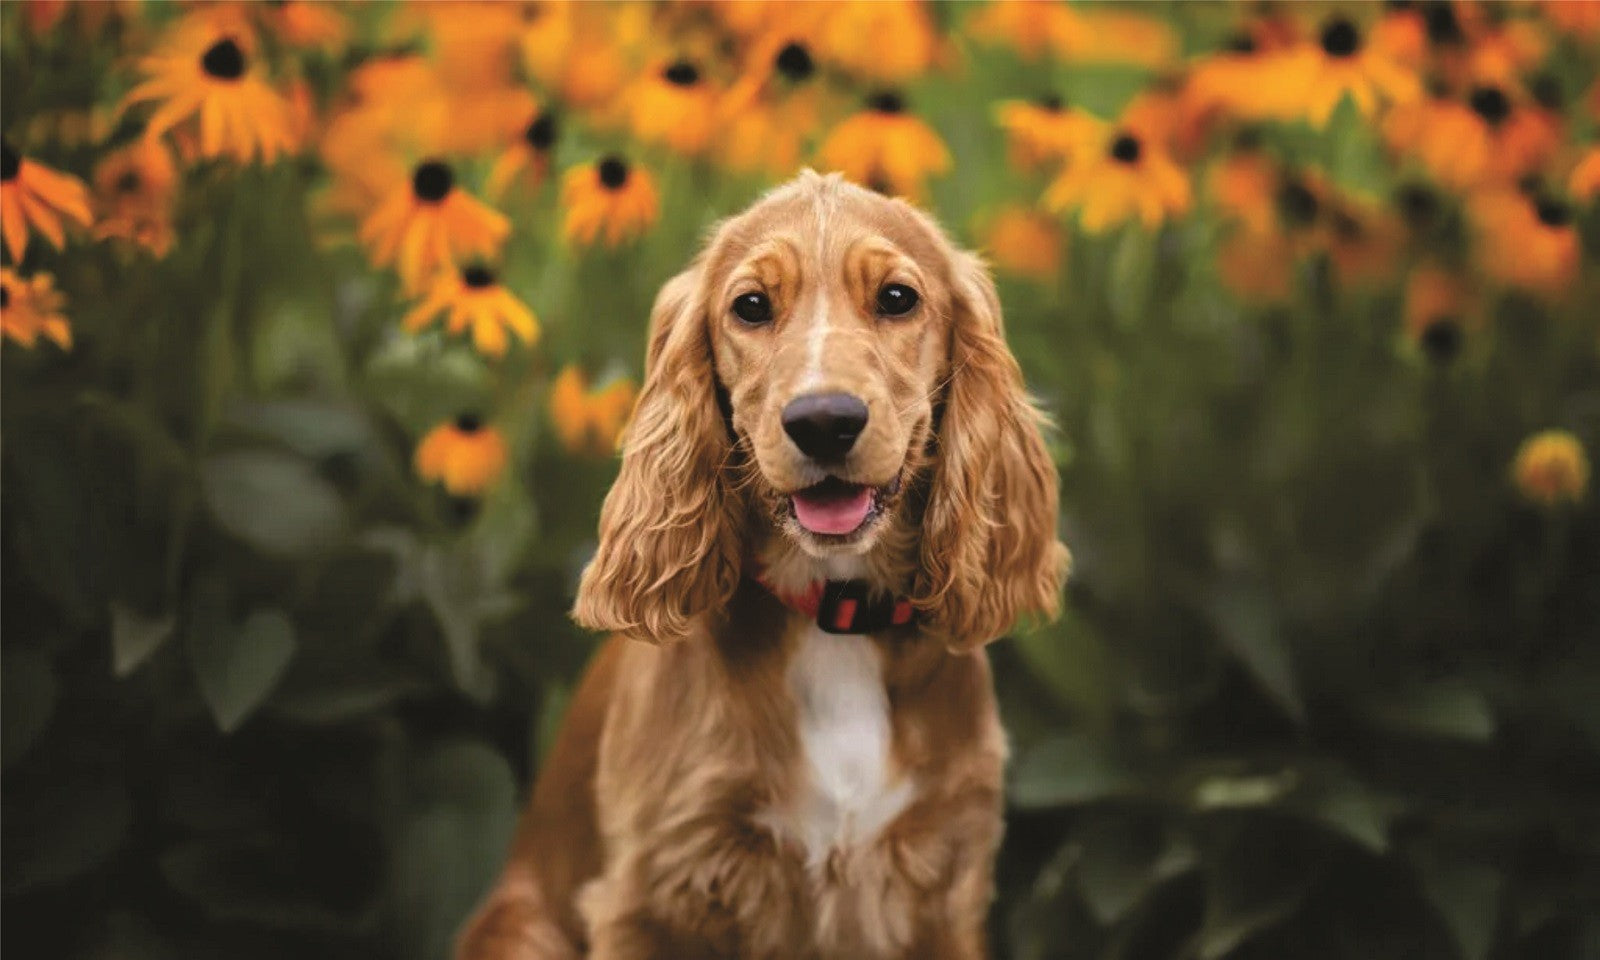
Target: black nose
{"x":825,"y":425}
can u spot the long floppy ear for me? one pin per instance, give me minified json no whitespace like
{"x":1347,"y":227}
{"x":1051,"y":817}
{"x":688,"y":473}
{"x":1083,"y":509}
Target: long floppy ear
{"x":989,"y":549}
{"x":668,"y":546}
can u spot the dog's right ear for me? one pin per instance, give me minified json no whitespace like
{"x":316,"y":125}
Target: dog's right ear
{"x":668,"y":548}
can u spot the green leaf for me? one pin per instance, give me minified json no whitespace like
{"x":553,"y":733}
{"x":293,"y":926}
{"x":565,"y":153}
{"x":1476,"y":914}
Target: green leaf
{"x":134,"y":637}
{"x":1068,"y":771}
{"x":1255,"y":882}
{"x":1132,"y":275}
{"x":311,"y":428}
{"x":1449,"y":709}
{"x":1071,"y":659}
{"x":238,"y":667}
{"x":1243,"y":615}
{"x":273,"y":501}
{"x":27,"y":701}
{"x":1120,"y":859}
{"x":1466,"y":897}
{"x":1347,"y":806}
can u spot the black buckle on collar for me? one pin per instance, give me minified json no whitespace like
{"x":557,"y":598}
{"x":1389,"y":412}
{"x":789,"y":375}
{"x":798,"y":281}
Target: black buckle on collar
{"x":851,"y":606}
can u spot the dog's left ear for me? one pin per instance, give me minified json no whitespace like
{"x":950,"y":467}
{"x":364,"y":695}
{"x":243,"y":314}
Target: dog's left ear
{"x":990,"y":554}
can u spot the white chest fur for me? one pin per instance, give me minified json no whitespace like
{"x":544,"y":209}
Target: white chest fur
{"x":850,"y":793}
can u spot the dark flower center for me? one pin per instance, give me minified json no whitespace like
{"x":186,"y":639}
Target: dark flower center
{"x":1554,"y":213}
{"x":1241,"y":42}
{"x":1491,"y":104}
{"x":10,"y":161}
{"x":478,"y":277}
{"x":1347,"y":227}
{"x":1546,"y":90}
{"x":469,"y":423}
{"x":1443,"y":27}
{"x":1340,"y":39}
{"x":541,"y":133}
{"x":1247,"y":139}
{"x":223,"y":60}
{"x":432,"y":180}
{"x":1441,"y":339}
{"x":613,"y":172}
{"x":1126,"y":148}
{"x":128,"y":182}
{"x":1418,"y":205}
{"x":1398,"y":6}
{"x":681,"y":74}
{"x":5,"y":296}
{"x":1297,"y":203}
{"x":794,"y":61}
{"x":886,"y":101}
{"x":1051,"y":102}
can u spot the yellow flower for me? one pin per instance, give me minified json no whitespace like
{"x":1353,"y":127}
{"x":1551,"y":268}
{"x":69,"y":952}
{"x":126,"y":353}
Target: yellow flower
{"x":1098,"y":35}
{"x":528,"y":156}
{"x":1551,"y":467}
{"x":32,"y":307}
{"x":1024,"y":242}
{"x":32,"y":194}
{"x":464,"y":454}
{"x":1584,"y":182}
{"x":1485,"y":136}
{"x":1437,"y":312}
{"x":1126,"y":178}
{"x":474,"y":299}
{"x":674,"y":106}
{"x":1044,"y":132}
{"x":1339,"y":65}
{"x":770,"y":111}
{"x":885,"y":148}
{"x":1244,"y":186}
{"x":1525,"y":241}
{"x":134,"y":188}
{"x":589,"y":422}
{"x":1027,"y":26}
{"x":1362,"y":241}
{"x":429,"y":224}
{"x":609,"y":199}
{"x":204,"y":79}
{"x":883,"y":40}
{"x":303,"y":23}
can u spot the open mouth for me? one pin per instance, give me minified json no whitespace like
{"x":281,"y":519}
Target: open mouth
{"x":837,"y":508}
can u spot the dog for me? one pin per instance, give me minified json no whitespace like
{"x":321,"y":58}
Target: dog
{"x":833,"y":493}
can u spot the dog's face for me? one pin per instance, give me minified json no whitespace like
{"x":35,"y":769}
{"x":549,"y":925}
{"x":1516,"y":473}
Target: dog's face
{"x":828,"y":315}
{"x":829,"y":369}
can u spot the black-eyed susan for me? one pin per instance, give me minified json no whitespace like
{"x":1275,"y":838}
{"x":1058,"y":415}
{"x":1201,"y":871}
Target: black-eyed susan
{"x":1488,"y":134}
{"x":1243,"y":186}
{"x":1340,"y":65}
{"x":1362,"y":239}
{"x":1126,"y":178}
{"x":1025,"y":26}
{"x":771,"y":110}
{"x":886,"y":148}
{"x":133,"y":191}
{"x":1584,"y":181}
{"x":33,"y":196}
{"x":527,"y":158}
{"x":1576,"y":18}
{"x":474,"y":301}
{"x":674,"y":105}
{"x":204,"y":85}
{"x":428,"y":224}
{"x":306,"y":23}
{"x":1023,"y":242}
{"x":609,"y":200}
{"x":589,"y":421}
{"x":465,"y":454}
{"x":1551,"y":468}
{"x":1439,"y":312}
{"x":30,"y":308}
{"x":1525,"y":240}
{"x":883,"y":40}
{"x":1085,"y":34}
{"x":1044,"y":132}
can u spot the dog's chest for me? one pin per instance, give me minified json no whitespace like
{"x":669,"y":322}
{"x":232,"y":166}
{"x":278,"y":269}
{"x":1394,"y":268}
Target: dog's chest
{"x":849,"y":791}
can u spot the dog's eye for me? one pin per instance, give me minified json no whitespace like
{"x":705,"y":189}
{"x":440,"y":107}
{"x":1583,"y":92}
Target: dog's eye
{"x":753,"y":308}
{"x":896,"y":299}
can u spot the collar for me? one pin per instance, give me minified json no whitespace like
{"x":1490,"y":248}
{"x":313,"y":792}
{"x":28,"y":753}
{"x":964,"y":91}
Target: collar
{"x":845,"y":606}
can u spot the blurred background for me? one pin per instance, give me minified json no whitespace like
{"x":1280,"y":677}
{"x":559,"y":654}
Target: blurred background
{"x":321,"y":322}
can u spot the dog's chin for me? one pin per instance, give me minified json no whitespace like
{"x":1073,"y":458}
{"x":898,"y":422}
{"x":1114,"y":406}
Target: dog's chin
{"x":837,"y":517}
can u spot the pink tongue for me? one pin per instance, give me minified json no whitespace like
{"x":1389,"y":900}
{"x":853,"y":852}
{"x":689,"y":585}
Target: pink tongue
{"x":833,"y":513}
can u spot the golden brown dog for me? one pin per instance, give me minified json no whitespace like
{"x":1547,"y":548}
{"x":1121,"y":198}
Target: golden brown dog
{"x":834,"y":492}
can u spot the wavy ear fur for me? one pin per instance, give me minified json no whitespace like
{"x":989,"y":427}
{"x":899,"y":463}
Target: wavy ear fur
{"x":990,"y":554}
{"x":668,"y":549}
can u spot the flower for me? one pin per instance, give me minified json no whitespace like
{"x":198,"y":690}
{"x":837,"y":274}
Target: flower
{"x":1126,"y":178}
{"x":474,"y":298}
{"x":1024,"y":242}
{"x":1362,"y":241}
{"x":674,"y":106}
{"x":1244,"y":186}
{"x":1027,"y":26}
{"x":1551,"y":467}
{"x":589,"y":421}
{"x":464,"y":454}
{"x":1090,"y":35}
{"x":31,"y":307}
{"x":770,"y":111}
{"x":303,"y":23}
{"x":610,"y":198}
{"x":884,"y":40}
{"x":1484,"y":136}
{"x":204,"y":78}
{"x":428,"y":224}
{"x":32,"y":194}
{"x":1044,"y":131}
{"x":885,"y":148}
{"x":1526,"y":241}
{"x":1437,"y":312}
{"x":528,"y":156}
{"x":1339,"y":65}
{"x":1584,"y":181}
{"x":133,"y":192}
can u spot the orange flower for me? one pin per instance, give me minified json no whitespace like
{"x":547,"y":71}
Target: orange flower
{"x":134,"y":188}
{"x":1339,"y":65}
{"x":1099,"y":35}
{"x":1437,"y":312}
{"x":30,"y":308}
{"x":1244,"y":187}
{"x":1551,"y":468}
{"x":885,"y":148}
{"x":608,"y":198}
{"x":474,"y":299}
{"x":589,"y":422}
{"x":1584,"y":182}
{"x":33,"y":195}
{"x":883,"y":40}
{"x":303,"y":23}
{"x":1362,"y":242}
{"x":464,"y":454}
{"x":1044,"y":132}
{"x":1124,"y":179}
{"x":204,"y":81}
{"x":1579,"y":18}
{"x":770,"y":111}
{"x":428,"y":224}
{"x":1525,"y":241}
{"x":528,"y":156}
{"x":1027,"y":26}
{"x":674,"y":106}
{"x":1023,"y":242}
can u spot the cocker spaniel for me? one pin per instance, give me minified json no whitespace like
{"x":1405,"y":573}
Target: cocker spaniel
{"x":833,"y":494}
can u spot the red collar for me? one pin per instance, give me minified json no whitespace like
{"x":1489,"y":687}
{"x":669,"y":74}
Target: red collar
{"x":845,"y":606}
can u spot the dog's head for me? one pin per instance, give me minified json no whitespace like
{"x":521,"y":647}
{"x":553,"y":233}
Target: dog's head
{"x":829,"y":379}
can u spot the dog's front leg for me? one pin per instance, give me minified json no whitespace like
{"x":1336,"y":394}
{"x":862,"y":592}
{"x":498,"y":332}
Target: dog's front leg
{"x":941,"y":858}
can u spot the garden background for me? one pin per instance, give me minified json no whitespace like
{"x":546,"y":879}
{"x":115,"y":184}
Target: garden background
{"x":322,"y":321}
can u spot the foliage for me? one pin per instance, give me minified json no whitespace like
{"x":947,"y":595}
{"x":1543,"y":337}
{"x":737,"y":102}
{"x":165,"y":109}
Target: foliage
{"x":1327,"y":686}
